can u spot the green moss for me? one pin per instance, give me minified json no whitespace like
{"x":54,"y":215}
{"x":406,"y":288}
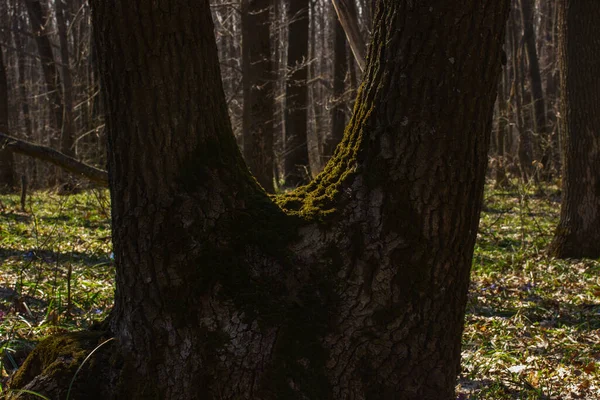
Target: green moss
{"x":58,"y":358}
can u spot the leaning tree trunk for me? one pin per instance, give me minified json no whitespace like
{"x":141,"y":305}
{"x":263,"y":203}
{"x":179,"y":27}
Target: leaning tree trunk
{"x":259,"y":88}
{"x":352,"y":287}
{"x":296,"y":163}
{"x":578,"y":233}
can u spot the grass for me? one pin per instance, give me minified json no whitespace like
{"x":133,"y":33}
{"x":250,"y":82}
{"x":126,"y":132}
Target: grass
{"x":533,"y":322}
{"x":532,"y":326}
{"x":56,"y":272}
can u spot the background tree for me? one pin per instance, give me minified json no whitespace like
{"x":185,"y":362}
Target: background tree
{"x":259,"y":85}
{"x":351,"y":287}
{"x":296,"y":162}
{"x":7,"y":168}
{"x":577,"y":234}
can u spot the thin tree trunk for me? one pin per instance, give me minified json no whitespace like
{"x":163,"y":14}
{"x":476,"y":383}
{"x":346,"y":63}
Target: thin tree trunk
{"x":259,"y":85}
{"x":67,"y":139}
{"x":39,"y":23}
{"x":535,"y":79}
{"x":501,"y":133}
{"x":340,"y":68}
{"x":297,"y":169}
{"x":7,"y":164}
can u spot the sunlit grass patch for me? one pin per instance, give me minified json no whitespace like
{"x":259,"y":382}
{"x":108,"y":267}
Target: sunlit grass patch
{"x":56,"y":272}
{"x":533,"y":322}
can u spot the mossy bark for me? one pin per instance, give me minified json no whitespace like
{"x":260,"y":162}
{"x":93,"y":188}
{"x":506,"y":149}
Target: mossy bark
{"x":578,"y":233}
{"x":352,"y":287}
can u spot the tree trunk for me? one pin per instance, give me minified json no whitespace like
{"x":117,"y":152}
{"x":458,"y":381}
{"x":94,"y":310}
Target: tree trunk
{"x":539,"y":106}
{"x":338,"y":107}
{"x":352,"y":287}
{"x":296,"y":93}
{"x":67,"y":138}
{"x":501,"y":134}
{"x":39,"y":22}
{"x":524,"y":148}
{"x":259,"y":84}
{"x":577,"y":234}
{"x":7,"y":164}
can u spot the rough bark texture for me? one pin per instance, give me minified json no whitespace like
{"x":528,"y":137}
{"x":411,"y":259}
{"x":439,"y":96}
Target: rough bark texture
{"x":259,"y":85}
{"x":578,"y":233}
{"x":352,"y":287}
{"x":296,"y":165}
{"x":7,"y":165}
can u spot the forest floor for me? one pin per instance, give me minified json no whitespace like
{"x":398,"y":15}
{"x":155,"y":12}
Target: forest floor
{"x":532,"y":329}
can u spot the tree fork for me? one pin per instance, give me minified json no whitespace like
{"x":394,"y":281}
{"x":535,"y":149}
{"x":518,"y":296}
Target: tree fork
{"x":352,"y":287}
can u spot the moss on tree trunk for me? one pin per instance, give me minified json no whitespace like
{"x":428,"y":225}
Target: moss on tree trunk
{"x":352,"y":287}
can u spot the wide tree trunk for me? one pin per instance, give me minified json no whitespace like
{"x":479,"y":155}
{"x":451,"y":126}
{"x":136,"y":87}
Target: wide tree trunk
{"x":259,"y":84}
{"x":352,"y":287}
{"x":578,"y":233}
{"x":296,"y":163}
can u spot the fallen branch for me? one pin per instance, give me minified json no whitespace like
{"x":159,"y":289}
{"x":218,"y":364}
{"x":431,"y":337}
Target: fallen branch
{"x":55,"y":157}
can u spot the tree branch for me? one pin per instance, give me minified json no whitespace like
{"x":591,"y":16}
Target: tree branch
{"x":55,"y":157}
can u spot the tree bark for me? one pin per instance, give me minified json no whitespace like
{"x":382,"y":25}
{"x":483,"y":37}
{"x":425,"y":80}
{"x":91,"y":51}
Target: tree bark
{"x":259,"y":85}
{"x":352,"y":287}
{"x":7,"y":165}
{"x":577,"y":234}
{"x":296,"y":163}
{"x":338,"y":108}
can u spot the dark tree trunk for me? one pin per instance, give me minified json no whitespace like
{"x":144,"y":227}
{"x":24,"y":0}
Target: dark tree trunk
{"x":259,"y":84}
{"x":524,"y":147}
{"x":39,"y":22}
{"x":543,"y":145}
{"x":19,"y":23}
{"x":352,"y":287}
{"x":501,"y":134}
{"x":340,"y":68}
{"x":67,"y":138}
{"x":296,"y":163}
{"x":7,"y":165}
{"x":578,"y":233}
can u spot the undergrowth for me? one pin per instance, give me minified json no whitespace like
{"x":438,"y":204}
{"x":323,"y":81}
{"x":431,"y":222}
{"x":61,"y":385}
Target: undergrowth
{"x":532,"y":326}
